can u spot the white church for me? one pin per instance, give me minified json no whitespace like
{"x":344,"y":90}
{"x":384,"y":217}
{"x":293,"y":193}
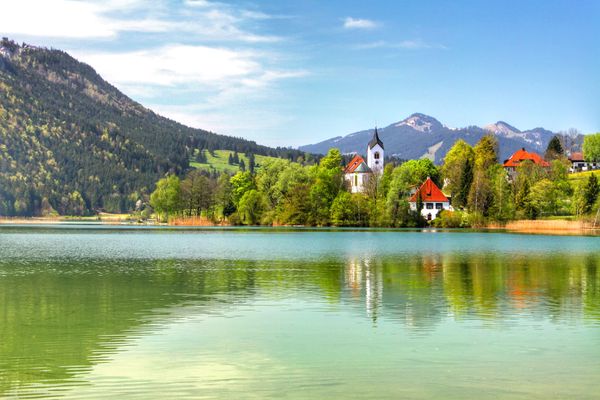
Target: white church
{"x":358,"y":172}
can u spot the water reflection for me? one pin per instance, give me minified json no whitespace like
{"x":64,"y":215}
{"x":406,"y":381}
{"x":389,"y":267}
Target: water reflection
{"x":60,"y":318}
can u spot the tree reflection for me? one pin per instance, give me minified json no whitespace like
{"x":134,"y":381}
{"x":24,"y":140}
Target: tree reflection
{"x":58,"y":319}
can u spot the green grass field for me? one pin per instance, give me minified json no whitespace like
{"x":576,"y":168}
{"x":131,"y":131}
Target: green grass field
{"x":220,"y":164}
{"x":579,"y":176}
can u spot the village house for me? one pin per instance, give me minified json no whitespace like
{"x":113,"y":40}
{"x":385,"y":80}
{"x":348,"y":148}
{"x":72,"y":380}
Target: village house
{"x":358,"y":172}
{"x":579,"y":164}
{"x":433,"y":199}
{"x":511,"y":164}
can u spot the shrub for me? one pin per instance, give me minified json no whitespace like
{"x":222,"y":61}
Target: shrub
{"x":452,"y":219}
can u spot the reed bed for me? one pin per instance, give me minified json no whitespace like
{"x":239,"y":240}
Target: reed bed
{"x":196,"y":221}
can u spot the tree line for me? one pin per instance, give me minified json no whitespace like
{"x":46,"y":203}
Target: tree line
{"x":288,"y":193}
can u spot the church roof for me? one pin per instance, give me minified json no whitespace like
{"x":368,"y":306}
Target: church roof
{"x":357,"y":164}
{"x":375,"y":140}
{"x":429,"y":192}
{"x":362,"y":167}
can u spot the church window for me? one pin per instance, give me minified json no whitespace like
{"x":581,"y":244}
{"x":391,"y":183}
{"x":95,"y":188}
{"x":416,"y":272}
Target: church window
{"x":377,"y":155}
{"x":355,"y":180}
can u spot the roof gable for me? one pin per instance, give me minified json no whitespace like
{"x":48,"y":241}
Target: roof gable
{"x":576,"y":157}
{"x":522,"y":155}
{"x":357,"y":164}
{"x":429,"y":192}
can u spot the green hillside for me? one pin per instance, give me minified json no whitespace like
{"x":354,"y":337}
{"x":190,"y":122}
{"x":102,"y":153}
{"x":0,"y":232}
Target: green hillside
{"x":218,"y":161}
{"x":71,"y":143}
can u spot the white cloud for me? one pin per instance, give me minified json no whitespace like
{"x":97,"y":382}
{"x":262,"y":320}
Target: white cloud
{"x":358,"y":23}
{"x":218,"y":89}
{"x":54,"y":18}
{"x":212,"y":67}
{"x":414,"y":44}
{"x":107,"y":19}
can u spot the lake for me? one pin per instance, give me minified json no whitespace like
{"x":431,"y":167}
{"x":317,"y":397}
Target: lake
{"x":122,"y":312}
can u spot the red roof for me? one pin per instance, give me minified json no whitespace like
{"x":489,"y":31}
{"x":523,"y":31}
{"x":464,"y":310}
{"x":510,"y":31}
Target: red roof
{"x":429,"y":192}
{"x":522,"y":155}
{"x":356,"y":161}
{"x":576,"y":157}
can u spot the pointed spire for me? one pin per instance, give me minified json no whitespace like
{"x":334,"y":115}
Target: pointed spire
{"x":375,"y":140}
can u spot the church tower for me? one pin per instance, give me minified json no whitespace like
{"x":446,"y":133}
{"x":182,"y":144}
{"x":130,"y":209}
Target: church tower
{"x":375,"y":154}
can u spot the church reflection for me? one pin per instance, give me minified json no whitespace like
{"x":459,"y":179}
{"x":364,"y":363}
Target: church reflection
{"x":360,"y":275}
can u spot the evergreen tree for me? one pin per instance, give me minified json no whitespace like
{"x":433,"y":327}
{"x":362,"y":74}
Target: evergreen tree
{"x":230,"y":159}
{"x":554,"y":149}
{"x":464,"y":186}
{"x":592,"y":189}
{"x":201,"y":157}
{"x":242,"y":166}
{"x":251,"y":163}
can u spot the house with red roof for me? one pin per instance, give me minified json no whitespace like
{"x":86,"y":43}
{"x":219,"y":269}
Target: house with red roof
{"x":433,"y":199}
{"x":518,"y":157}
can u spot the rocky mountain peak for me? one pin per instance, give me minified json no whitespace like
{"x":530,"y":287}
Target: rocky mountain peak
{"x":502,"y":127}
{"x":420,"y":122}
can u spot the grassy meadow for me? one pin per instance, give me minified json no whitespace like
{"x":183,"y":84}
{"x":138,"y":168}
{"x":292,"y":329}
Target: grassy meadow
{"x":219,"y":161}
{"x":579,"y":176}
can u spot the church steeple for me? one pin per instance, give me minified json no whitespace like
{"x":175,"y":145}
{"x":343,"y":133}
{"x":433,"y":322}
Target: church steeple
{"x":375,"y":153}
{"x":375,"y":140}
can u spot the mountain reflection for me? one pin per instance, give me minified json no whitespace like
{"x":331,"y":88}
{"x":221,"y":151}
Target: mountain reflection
{"x":59,"y":318}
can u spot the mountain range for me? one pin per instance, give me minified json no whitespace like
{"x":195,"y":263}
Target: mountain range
{"x":423,"y":136}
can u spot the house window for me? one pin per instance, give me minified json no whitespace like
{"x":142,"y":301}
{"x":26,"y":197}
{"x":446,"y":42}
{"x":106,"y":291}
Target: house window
{"x":355,"y":180}
{"x":429,"y":206}
{"x":438,"y":206}
{"x":377,"y":155}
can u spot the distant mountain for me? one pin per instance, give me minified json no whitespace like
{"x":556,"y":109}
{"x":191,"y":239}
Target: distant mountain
{"x":422,"y":136}
{"x":72,"y":143}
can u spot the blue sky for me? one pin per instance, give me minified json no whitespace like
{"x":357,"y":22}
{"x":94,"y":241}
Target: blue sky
{"x":297,"y":72}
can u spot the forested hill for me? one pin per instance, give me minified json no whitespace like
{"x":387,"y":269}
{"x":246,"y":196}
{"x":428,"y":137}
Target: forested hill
{"x":72,"y":143}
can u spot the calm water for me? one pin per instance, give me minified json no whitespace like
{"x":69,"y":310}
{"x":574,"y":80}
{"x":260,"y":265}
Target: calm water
{"x":97,"y":312}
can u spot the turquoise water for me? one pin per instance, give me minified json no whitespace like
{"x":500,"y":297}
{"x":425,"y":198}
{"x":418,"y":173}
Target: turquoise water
{"x":110,"y":312}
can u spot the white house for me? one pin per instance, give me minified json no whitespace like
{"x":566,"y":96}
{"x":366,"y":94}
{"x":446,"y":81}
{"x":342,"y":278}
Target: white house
{"x":358,"y":172}
{"x":579,"y":164}
{"x":432,"y":198}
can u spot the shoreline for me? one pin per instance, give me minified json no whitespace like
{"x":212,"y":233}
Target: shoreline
{"x":548,"y":227}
